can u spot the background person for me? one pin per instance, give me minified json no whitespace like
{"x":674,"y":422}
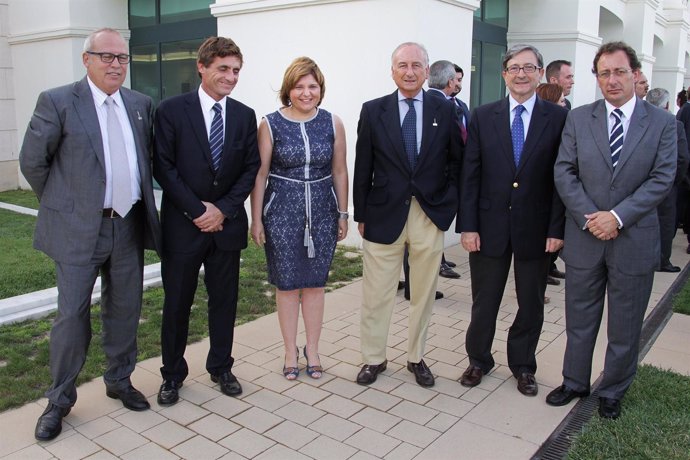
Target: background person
{"x":302,"y":211}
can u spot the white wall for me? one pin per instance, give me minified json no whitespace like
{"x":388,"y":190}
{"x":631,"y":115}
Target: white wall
{"x":8,"y":129}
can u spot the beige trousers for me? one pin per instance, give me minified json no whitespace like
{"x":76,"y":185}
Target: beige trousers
{"x":382,"y":264}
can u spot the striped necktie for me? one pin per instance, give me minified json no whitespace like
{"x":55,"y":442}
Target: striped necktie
{"x":215,"y":138}
{"x":517,"y":131}
{"x":616,"y":139}
{"x":409,"y":133}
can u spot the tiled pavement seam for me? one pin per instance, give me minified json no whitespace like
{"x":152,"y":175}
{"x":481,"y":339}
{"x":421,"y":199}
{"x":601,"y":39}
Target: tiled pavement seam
{"x":330,"y":418}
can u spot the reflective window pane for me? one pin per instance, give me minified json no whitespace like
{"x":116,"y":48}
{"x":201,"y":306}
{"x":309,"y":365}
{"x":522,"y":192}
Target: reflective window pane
{"x":496,"y":12}
{"x":178,"y":67}
{"x":493,"y":86}
{"x":142,"y":13}
{"x":144,"y":70}
{"x":184,"y":10}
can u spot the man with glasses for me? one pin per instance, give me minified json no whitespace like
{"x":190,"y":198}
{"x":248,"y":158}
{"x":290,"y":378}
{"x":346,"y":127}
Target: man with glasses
{"x":86,"y":155}
{"x":509,"y":210}
{"x":615,"y":165}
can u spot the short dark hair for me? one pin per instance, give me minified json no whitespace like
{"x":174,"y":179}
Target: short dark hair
{"x":458,"y":69}
{"x":300,"y":67}
{"x":554,"y":68}
{"x":517,"y":49}
{"x":682,"y":97}
{"x":214,"y":47}
{"x":612,"y":47}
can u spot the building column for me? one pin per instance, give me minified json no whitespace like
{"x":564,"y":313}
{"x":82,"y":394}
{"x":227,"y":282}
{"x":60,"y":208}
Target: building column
{"x":9,"y":152}
{"x":669,"y":70}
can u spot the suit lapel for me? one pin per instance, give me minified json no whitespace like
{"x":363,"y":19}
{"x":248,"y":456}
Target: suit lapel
{"x":230,"y":133}
{"x":600,"y":132}
{"x":538,"y":122}
{"x":86,"y":110}
{"x":639,"y":122}
{"x":390,"y":118}
{"x":138,"y":120}
{"x":196,"y":121}
{"x":502,"y":128}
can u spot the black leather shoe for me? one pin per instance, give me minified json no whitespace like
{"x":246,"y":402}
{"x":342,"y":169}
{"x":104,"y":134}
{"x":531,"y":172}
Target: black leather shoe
{"x":556,"y":273}
{"x":369,"y":372}
{"x":401,"y":285}
{"x":687,"y":250}
{"x":451,"y":264}
{"x":472,"y":376}
{"x":131,"y":398}
{"x":422,"y":373}
{"x":438,"y":295}
{"x":49,"y":424}
{"x":552,"y":281}
{"x":228,"y":383}
{"x":527,"y":384}
{"x":670,"y":269}
{"x":168,"y":394}
{"x":609,"y":408}
{"x":448,"y":272}
{"x":563,"y":395}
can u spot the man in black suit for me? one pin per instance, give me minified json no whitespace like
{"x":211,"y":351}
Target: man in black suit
{"x":464,"y":111}
{"x":510,"y":210}
{"x":561,"y":73}
{"x":405,"y":193}
{"x":205,"y":160}
{"x":666,"y":210}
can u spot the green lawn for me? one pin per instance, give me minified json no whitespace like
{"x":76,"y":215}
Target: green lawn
{"x":25,"y":198}
{"x":681,"y":303}
{"x":654,"y":423}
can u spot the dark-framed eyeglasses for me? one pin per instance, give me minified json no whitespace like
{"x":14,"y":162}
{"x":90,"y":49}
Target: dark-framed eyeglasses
{"x":527,"y":68}
{"x":110,"y":57}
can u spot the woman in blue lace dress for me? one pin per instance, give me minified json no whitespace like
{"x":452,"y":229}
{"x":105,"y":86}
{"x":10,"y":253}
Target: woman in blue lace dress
{"x":299,"y":206}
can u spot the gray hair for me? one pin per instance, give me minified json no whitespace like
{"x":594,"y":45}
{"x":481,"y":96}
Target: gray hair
{"x":517,"y":49}
{"x":658,"y":97}
{"x":418,"y":45}
{"x":439,"y":74}
{"x":88,"y":43}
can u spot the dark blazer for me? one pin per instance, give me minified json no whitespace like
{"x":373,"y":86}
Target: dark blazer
{"x":683,"y":155}
{"x":509,"y":205}
{"x":588,"y":183}
{"x":465,"y":112}
{"x":182,"y":166}
{"x":62,"y":158}
{"x":384,"y":182}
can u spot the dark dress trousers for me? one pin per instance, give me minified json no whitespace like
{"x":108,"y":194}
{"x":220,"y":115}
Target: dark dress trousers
{"x":184,"y":170}
{"x":514,"y":210}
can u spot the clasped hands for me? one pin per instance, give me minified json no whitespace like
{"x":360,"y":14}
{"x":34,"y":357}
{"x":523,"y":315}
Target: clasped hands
{"x":211,"y":220}
{"x":602,"y":224}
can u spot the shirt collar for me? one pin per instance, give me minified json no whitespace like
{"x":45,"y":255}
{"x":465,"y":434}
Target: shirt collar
{"x":417,"y":97}
{"x":528,"y":104}
{"x":626,"y":108}
{"x":99,"y":95}
{"x":207,"y":101}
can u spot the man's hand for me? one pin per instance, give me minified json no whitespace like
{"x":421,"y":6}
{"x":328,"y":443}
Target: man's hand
{"x":603,"y":225}
{"x":360,"y":228}
{"x":211,"y":220}
{"x":553,"y":244}
{"x":470,"y":241}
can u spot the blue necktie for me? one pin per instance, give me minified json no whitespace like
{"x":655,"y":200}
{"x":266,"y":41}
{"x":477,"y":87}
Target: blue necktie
{"x":215,"y":139}
{"x":517,"y":131}
{"x":409,"y":133}
{"x":616,"y":139}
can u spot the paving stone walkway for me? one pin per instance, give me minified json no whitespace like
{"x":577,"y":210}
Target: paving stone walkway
{"x":334,"y":418}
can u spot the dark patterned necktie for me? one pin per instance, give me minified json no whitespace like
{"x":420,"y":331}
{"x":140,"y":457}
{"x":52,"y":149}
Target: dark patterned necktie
{"x":616,"y":138}
{"x":517,"y":131}
{"x":409,"y":133}
{"x":215,"y":138}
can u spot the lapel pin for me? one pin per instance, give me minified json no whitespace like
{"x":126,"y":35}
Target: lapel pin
{"x":434,"y":123}
{"x":139,"y":116}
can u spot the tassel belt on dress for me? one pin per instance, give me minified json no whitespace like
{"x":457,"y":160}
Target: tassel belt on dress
{"x":308,"y":241}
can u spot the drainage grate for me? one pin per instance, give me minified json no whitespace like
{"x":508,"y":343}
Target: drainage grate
{"x":557,"y":445}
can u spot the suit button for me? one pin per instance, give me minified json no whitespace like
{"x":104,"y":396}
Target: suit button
{"x":515,"y":185}
{"x":215,"y":183}
{"x":407,"y":202}
{"x":510,"y":208}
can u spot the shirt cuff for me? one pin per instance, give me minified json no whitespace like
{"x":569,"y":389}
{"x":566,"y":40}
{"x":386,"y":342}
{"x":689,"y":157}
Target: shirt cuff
{"x":620,"y":222}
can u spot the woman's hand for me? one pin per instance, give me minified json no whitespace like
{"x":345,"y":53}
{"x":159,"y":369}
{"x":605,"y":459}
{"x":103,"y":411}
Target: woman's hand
{"x":258,"y":235}
{"x":342,"y":229}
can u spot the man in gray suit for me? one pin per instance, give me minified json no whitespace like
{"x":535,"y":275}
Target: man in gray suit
{"x":86,"y":155}
{"x":616,"y":163}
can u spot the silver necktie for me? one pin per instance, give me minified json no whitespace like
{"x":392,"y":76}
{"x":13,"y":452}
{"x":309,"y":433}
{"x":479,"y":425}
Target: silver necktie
{"x":119,"y":164}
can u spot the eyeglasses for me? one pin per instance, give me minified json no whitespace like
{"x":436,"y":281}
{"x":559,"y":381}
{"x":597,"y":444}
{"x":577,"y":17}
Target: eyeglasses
{"x":606,"y":74}
{"x":527,"y":68}
{"x":110,"y":57}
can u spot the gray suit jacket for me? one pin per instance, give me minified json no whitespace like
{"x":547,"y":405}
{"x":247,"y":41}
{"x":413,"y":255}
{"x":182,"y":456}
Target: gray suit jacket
{"x":587,"y":182}
{"x":62,"y":158}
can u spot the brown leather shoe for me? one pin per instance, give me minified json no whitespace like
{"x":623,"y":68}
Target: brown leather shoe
{"x":422,"y":373}
{"x":527,"y":384}
{"x":472,"y":376}
{"x":369,"y":372}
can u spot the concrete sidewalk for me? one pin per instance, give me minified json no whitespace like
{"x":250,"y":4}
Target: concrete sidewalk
{"x":334,"y":418}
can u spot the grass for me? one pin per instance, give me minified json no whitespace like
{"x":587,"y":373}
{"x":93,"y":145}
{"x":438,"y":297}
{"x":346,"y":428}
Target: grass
{"x":24,"y":372}
{"x":654,"y":423}
{"x":681,"y":303}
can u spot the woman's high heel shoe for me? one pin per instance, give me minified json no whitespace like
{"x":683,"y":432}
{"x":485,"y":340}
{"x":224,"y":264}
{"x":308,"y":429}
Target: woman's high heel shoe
{"x":291,"y":373}
{"x":314,"y":372}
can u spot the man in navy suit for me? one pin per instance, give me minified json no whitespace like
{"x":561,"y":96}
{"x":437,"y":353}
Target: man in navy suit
{"x":405,"y":193}
{"x":205,"y":160}
{"x":510,"y":210}
{"x":464,"y":111}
